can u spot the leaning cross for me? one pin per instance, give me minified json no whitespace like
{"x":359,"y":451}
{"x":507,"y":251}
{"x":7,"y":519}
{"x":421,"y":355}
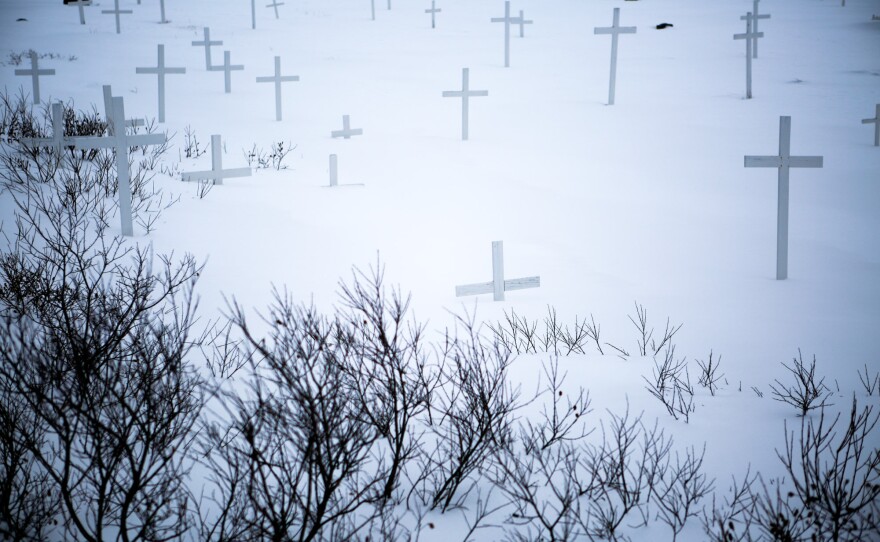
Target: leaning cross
{"x":228,"y":68}
{"x":275,"y":5}
{"x":755,"y":18}
{"x":207,"y":43}
{"x":277,"y":79}
{"x":217,"y":173}
{"x":433,"y":11}
{"x":498,"y":285}
{"x":876,"y":122}
{"x":615,"y":30}
{"x":506,"y":20}
{"x":749,"y":36}
{"x":121,"y":143}
{"x":465,"y":94}
{"x":35,"y":72}
{"x":522,"y":21}
{"x":81,"y":5}
{"x":58,"y":140}
{"x":161,"y":70}
{"x":117,"y":12}
{"x":347,"y":131}
{"x":108,"y":109}
{"x":783,"y":162}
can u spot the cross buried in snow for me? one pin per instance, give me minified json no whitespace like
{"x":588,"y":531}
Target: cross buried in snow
{"x":120,"y":142}
{"x":228,"y":68}
{"x":81,"y":5}
{"x":465,"y":94}
{"x":876,"y":122}
{"x":783,"y":162}
{"x":749,"y":36}
{"x":347,"y":131}
{"x":161,"y":70}
{"x":275,"y":5}
{"x":433,"y":11}
{"x":755,"y":19}
{"x":277,"y":79}
{"x":58,"y":141}
{"x":207,"y":43}
{"x":35,"y":72}
{"x":506,"y":20}
{"x":615,"y":30}
{"x":217,"y":173}
{"x":117,"y":12}
{"x":498,"y":285}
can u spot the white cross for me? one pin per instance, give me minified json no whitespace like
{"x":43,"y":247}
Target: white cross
{"x":498,"y":285}
{"x":783,"y":162}
{"x":749,"y":36}
{"x":120,"y":142}
{"x":35,"y":72}
{"x":506,"y":20}
{"x":117,"y":12}
{"x":876,"y":122}
{"x":465,"y":94}
{"x":58,"y":140}
{"x":433,"y":11}
{"x":615,"y":30}
{"x":81,"y":5}
{"x":275,"y":5}
{"x":373,"y":9}
{"x":755,"y":18}
{"x":522,"y":21}
{"x":161,"y":70}
{"x":254,"y":14}
{"x":108,"y":110}
{"x":207,"y":43}
{"x":277,"y":79}
{"x":217,"y":173}
{"x":162,"y":10}
{"x":228,"y":68}
{"x":347,"y":131}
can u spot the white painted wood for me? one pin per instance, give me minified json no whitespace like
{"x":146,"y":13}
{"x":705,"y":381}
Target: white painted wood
{"x":876,"y":122}
{"x":755,"y":18}
{"x":217,"y":173}
{"x":506,"y":20}
{"x":522,"y":22}
{"x":433,"y":11}
{"x":465,"y":94}
{"x":275,"y":4}
{"x":749,"y":36}
{"x":58,"y":140}
{"x":81,"y":4}
{"x":161,"y":70}
{"x":277,"y":79}
{"x":108,"y":108}
{"x":35,"y":72}
{"x":498,"y":285}
{"x":334,"y":176}
{"x":207,"y":43}
{"x":347,"y":131}
{"x":162,"y":11}
{"x":373,"y":9}
{"x":253,"y":14}
{"x":228,"y":68}
{"x":615,"y":30}
{"x":117,"y":12}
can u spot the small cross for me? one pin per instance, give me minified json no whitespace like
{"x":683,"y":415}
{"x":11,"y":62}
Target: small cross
{"x":783,"y":162}
{"x":749,"y":36}
{"x":755,"y":19}
{"x":522,"y":21}
{"x":217,"y":173}
{"x":81,"y":5}
{"x":876,"y":122}
{"x":433,"y":11}
{"x":506,"y":20}
{"x":615,"y":30}
{"x":207,"y":43}
{"x":228,"y":68}
{"x":35,"y":72}
{"x":277,"y":79}
{"x":275,"y":5}
{"x":346,"y":131}
{"x":465,"y":94}
{"x":498,"y":285}
{"x":117,"y":12}
{"x":58,"y":140}
{"x":161,"y":70}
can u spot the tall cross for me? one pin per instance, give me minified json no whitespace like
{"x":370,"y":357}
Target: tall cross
{"x":217,"y":173}
{"x":275,"y":5}
{"x":228,"y":68}
{"x":117,"y":12}
{"x":522,"y":21}
{"x":465,"y":94}
{"x":433,"y":11}
{"x":615,"y":30}
{"x":161,"y":70}
{"x":81,"y":5}
{"x":755,"y":19}
{"x":35,"y":72}
{"x":876,"y":122}
{"x":58,"y":140}
{"x":347,"y":131}
{"x":498,"y":285}
{"x":207,"y":43}
{"x":120,"y":142}
{"x":783,"y":162}
{"x":108,"y":110}
{"x":506,"y":20}
{"x":277,"y":79}
{"x":749,"y":36}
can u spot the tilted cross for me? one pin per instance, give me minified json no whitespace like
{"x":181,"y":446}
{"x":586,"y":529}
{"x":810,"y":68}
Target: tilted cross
{"x":749,"y":36}
{"x":228,"y":68}
{"x":161,"y":70}
{"x":433,"y":11}
{"x":81,"y":5}
{"x":783,"y":162}
{"x":117,"y":12}
{"x":347,"y":131}
{"x":108,"y":110}
{"x":876,"y":122}
{"x":615,"y":30}
{"x":506,"y":20}
{"x":217,"y":173}
{"x":498,"y":285}
{"x":465,"y":94}
{"x":755,"y":19}
{"x":277,"y":79}
{"x":275,"y":5}
{"x":207,"y":43}
{"x":35,"y":72}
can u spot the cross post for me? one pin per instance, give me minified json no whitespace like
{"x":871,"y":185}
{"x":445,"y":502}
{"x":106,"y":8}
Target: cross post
{"x":783,"y":162}
{"x":162,"y":11}
{"x":81,"y":5}
{"x":275,"y":5}
{"x":498,"y":285}
{"x":207,"y":43}
{"x":228,"y":68}
{"x":117,"y":12}
{"x":108,"y":110}
{"x":749,"y":36}
{"x":334,"y":178}
{"x":465,"y":94}
{"x":217,"y":173}
{"x":876,"y":122}
{"x":161,"y":70}
{"x":506,"y":20}
{"x":615,"y":30}
{"x":347,"y":131}
{"x":373,"y":9}
{"x":253,"y":14}
{"x":755,"y":19}
{"x":522,"y":21}
{"x":433,"y":11}
{"x":277,"y":79}
{"x":35,"y":72}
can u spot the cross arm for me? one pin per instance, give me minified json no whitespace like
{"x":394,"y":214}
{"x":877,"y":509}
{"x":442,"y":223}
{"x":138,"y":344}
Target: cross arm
{"x":615,"y":30}
{"x":106,"y":142}
{"x":475,"y":289}
{"x":805,"y":161}
{"x":748,"y":35}
{"x":217,"y":175}
{"x":522,"y":284}
{"x":763,"y":161}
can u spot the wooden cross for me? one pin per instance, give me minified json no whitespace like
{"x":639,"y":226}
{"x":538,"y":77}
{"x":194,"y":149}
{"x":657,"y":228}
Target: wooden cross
{"x":108,"y":109}
{"x":465,"y":94}
{"x":755,"y":19}
{"x":876,"y":122}
{"x":120,"y":142}
{"x":58,"y":140}
{"x":277,"y":79}
{"x":433,"y":11}
{"x":347,"y":131}
{"x":117,"y":12}
{"x":275,"y":5}
{"x":498,"y":285}
{"x":228,"y":68}
{"x":506,"y":20}
{"x":615,"y":30}
{"x":161,"y":70}
{"x":81,"y":5}
{"x":749,"y":36}
{"x":207,"y":43}
{"x":783,"y":162}
{"x":35,"y":72}
{"x":217,"y":173}
{"x":522,"y":21}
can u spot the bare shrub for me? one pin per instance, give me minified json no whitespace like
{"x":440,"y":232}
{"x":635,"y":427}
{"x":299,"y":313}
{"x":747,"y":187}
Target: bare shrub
{"x":807,"y":393}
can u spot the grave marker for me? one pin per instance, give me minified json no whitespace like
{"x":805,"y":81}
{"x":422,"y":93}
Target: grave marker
{"x":108,"y":109}
{"x":80,"y":4}
{"x":58,"y":140}
{"x":217,"y":173}
{"x":228,"y":68}
{"x":876,"y":122}
{"x":755,"y":19}
{"x":35,"y":72}
{"x":346,"y":131}
{"x":749,"y":36}
{"x":161,"y":70}
{"x":373,"y":9}
{"x":253,"y":14}
{"x":334,"y":174}
{"x":498,"y":285}
{"x":120,"y":142}
{"x":275,"y":5}
{"x":433,"y":11}
{"x":783,"y":162}
{"x":615,"y":30}
{"x":117,"y":12}
{"x":207,"y":43}
{"x":506,"y":20}
{"x":277,"y":79}
{"x":162,"y":11}
{"x":465,"y":94}
{"x":522,"y":21}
